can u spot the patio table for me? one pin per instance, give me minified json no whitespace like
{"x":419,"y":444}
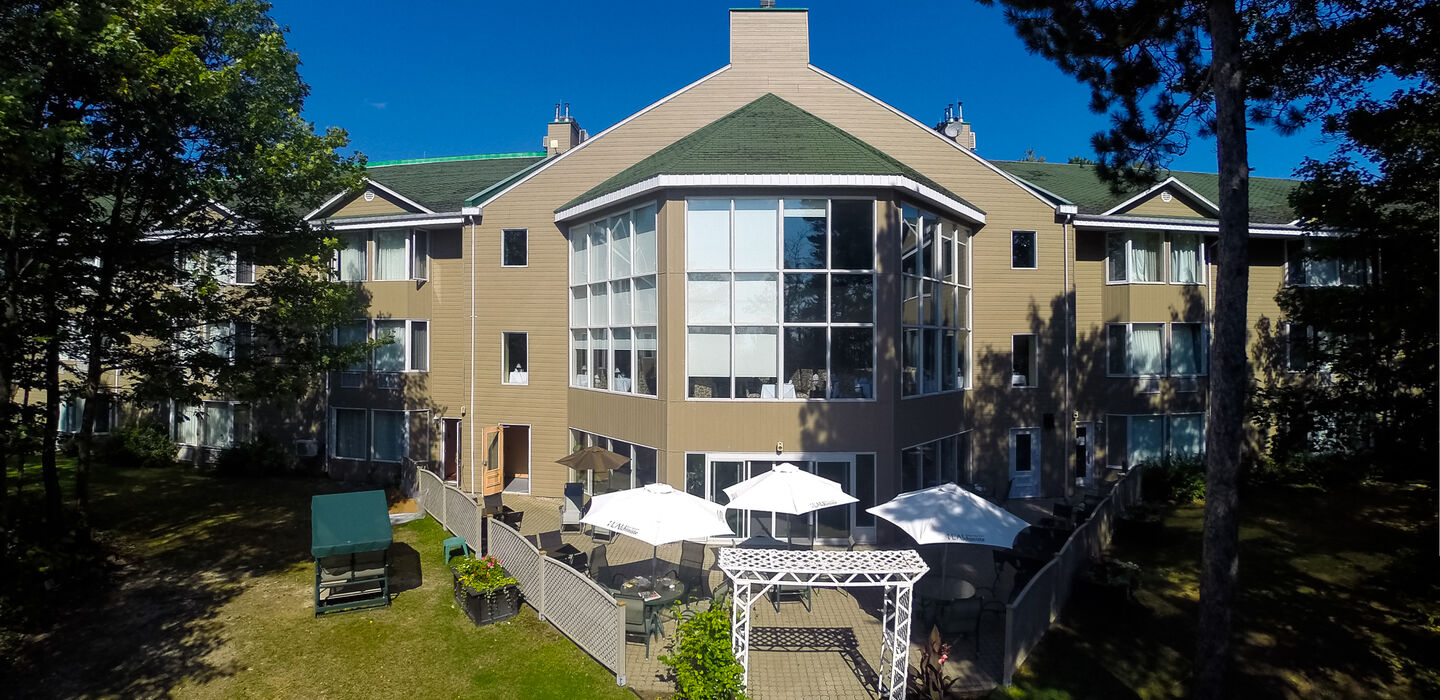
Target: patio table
{"x":566,"y":553}
{"x":669,"y":590}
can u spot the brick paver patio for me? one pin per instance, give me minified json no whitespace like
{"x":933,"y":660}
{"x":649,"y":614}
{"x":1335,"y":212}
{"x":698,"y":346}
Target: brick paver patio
{"x":831,"y":652}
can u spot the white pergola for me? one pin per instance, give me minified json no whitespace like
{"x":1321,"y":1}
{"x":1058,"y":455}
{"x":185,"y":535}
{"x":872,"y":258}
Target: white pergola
{"x":752,"y":572}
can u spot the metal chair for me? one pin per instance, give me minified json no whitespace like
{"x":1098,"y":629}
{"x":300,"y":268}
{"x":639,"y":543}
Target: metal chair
{"x":600,"y":565}
{"x":572,"y":505}
{"x":639,"y":620}
{"x":692,"y":554}
{"x":600,"y":535}
{"x":550,"y":541}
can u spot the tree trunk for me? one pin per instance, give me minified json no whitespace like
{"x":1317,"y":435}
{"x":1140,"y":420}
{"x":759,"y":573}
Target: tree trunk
{"x":94,"y":375}
{"x":1228,"y":378}
{"x":49,"y":472}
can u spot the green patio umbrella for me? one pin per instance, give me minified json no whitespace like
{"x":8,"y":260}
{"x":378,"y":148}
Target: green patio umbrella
{"x":594,"y":458}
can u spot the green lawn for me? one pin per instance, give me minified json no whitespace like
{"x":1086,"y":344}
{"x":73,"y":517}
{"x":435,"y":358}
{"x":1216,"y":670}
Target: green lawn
{"x":208,"y":594}
{"x":1339,"y":596}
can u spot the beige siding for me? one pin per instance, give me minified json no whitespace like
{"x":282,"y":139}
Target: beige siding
{"x":1180,"y":206}
{"x":383,"y":204}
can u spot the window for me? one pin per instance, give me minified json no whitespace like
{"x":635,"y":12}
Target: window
{"x":780,"y":298}
{"x":391,"y":255}
{"x":514,"y":247}
{"x":1133,"y":257}
{"x":420,"y":254}
{"x":1187,"y":349}
{"x":1306,"y":267}
{"x":214,"y":424}
{"x":351,"y":438}
{"x":353,"y":333}
{"x":72,"y":413}
{"x":407,"y":351}
{"x":1303,"y":345}
{"x":389,"y":357}
{"x":1135,"y":349}
{"x":388,"y":441}
{"x":943,"y":461}
{"x":351,"y":257}
{"x":419,"y":346}
{"x":1023,"y":361}
{"x":935,"y":304}
{"x":1022,"y":250}
{"x":1187,"y":258}
{"x":516,"y":368}
{"x":1147,"y":439}
{"x":244,"y":267}
{"x":614,"y":306}
{"x":185,"y":423}
{"x":641,"y":470}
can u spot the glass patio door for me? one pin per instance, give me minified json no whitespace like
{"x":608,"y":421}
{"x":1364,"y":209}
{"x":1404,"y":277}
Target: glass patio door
{"x":830,"y":525}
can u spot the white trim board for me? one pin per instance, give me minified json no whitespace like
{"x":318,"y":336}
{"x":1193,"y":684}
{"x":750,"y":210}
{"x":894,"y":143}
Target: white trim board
{"x":369,"y":183}
{"x":1160,"y":186}
{"x":1261,"y":230}
{"x":408,"y":223}
{"x":659,"y":182}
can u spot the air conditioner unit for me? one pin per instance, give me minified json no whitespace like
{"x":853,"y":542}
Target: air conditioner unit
{"x":307,"y":448}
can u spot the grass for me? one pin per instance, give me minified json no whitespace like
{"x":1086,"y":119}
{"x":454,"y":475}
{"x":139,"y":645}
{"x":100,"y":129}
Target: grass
{"x":1338,"y":597}
{"x":207,"y":593}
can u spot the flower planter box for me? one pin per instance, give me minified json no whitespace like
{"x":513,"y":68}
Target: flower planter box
{"x":484,"y":609}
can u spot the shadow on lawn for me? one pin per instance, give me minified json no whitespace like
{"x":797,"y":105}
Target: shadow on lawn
{"x":183,"y":546}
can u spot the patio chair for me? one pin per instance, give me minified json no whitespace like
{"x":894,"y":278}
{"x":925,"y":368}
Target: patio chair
{"x":550,"y":541}
{"x":696,"y":582}
{"x":639,"y":620}
{"x":599,"y":535}
{"x":493,"y":506}
{"x":800,"y":593}
{"x":572,"y":505}
{"x":600,"y":565}
{"x":692,"y":554}
{"x":513,"y":519}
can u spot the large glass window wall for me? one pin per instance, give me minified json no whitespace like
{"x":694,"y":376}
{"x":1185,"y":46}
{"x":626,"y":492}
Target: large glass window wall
{"x":614,"y":304}
{"x":935,"y":306}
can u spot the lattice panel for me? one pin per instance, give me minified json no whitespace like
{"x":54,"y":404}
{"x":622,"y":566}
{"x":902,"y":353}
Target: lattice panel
{"x":584,"y":612}
{"x":462,"y":517}
{"x":518,"y":557}
{"x":430,"y":497}
{"x":822,"y":568}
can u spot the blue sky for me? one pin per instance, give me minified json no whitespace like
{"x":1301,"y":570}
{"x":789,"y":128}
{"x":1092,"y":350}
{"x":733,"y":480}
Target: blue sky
{"x":428,"y":78}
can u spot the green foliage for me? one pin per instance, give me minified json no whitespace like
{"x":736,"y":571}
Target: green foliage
{"x":1329,"y":469}
{"x":141,"y":444}
{"x":700,"y":658}
{"x":262,"y":456}
{"x":483,"y":575}
{"x":1174,"y":480}
{"x":929,"y":679}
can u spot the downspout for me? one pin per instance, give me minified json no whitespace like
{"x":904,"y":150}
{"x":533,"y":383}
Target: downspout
{"x":472,"y":218}
{"x":1066,"y":214}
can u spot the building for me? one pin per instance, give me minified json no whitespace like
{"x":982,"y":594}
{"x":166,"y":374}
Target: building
{"x":771,"y":265}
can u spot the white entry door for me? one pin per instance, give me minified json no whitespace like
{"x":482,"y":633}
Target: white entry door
{"x":1024,"y":462}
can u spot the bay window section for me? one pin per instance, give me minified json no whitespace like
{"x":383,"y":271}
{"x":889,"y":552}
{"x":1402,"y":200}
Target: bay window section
{"x":1187,"y":258}
{"x":1135,"y":349}
{"x":1134,"y":257}
{"x":391,"y":255}
{"x":351,"y":438}
{"x":614,"y":303}
{"x":390,"y":357}
{"x":1187,"y":349}
{"x":1134,"y":440}
{"x":388,"y":442}
{"x":780,"y":298}
{"x":351,"y":257}
{"x":934,"y":312}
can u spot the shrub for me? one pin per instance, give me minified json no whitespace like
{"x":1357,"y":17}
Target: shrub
{"x":259,"y":457}
{"x":701,"y":661}
{"x":1312,"y":468}
{"x":1174,"y":480}
{"x":483,"y":575}
{"x":143,"y":444}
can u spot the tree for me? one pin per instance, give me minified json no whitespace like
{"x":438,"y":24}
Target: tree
{"x":143,"y":142}
{"x":1030,"y":157}
{"x":1164,"y":69}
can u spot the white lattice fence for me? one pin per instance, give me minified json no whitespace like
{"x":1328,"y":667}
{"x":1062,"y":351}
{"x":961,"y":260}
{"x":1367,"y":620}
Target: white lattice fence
{"x":586,"y":613}
{"x":431,"y":497}
{"x":462,"y":516}
{"x":520,"y":559}
{"x":1029,"y":615}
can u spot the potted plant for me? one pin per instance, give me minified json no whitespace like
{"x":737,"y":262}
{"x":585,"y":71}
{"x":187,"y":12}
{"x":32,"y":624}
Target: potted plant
{"x":1111,"y":580}
{"x":484,"y":590}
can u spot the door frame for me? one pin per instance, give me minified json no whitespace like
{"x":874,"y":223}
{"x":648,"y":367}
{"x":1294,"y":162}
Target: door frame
{"x":1089,"y":427}
{"x":1036,"y":465}
{"x":529,"y":456}
{"x":446,"y":447}
{"x":492,"y":475}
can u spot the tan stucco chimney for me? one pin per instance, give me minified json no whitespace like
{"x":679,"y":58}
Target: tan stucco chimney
{"x":564,"y":133}
{"x":769,"y":36}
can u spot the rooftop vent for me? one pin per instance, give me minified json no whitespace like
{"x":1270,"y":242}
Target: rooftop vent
{"x":954,"y":126}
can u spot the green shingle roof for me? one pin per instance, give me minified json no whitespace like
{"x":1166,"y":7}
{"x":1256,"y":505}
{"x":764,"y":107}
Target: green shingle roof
{"x":766,"y":137}
{"x":442,"y":184}
{"x":1269,"y":197}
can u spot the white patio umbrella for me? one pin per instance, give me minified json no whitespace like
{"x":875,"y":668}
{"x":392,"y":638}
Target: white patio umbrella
{"x":787,"y":489}
{"x":657,"y":514}
{"x":948,"y":514}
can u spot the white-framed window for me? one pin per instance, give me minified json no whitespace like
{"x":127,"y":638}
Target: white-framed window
{"x":1024,"y":361}
{"x":350,"y":435}
{"x":1307,"y":268}
{"x":515,"y":366}
{"x":220,"y":339}
{"x":1134,"y":257}
{"x":350,"y":259}
{"x":707,"y":474}
{"x":942,"y":461}
{"x":1302,"y":345}
{"x":217,"y":424}
{"x":1187,"y":258}
{"x":378,"y":435}
{"x":387,"y":435}
{"x":1135,"y":349}
{"x":514,"y":247}
{"x":72,"y":412}
{"x":1023,"y":254}
{"x":409,"y":351}
{"x":392,"y":255}
{"x":1189,"y":353}
{"x":641,"y":470}
{"x":935,"y":304}
{"x":420,"y":254}
{"x":614,"y":303}
{"x":780,"y":298}
{"x":1146,"y":439}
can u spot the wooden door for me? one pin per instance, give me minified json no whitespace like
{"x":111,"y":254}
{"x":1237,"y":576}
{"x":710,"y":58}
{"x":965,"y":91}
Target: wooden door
{"x":492,"y":464}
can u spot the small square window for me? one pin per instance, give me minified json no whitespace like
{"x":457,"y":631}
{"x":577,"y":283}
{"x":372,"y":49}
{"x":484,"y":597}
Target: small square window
{"x":1022,"y":250}
{"x":517,"y":358}
{"x":515,"y":247}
